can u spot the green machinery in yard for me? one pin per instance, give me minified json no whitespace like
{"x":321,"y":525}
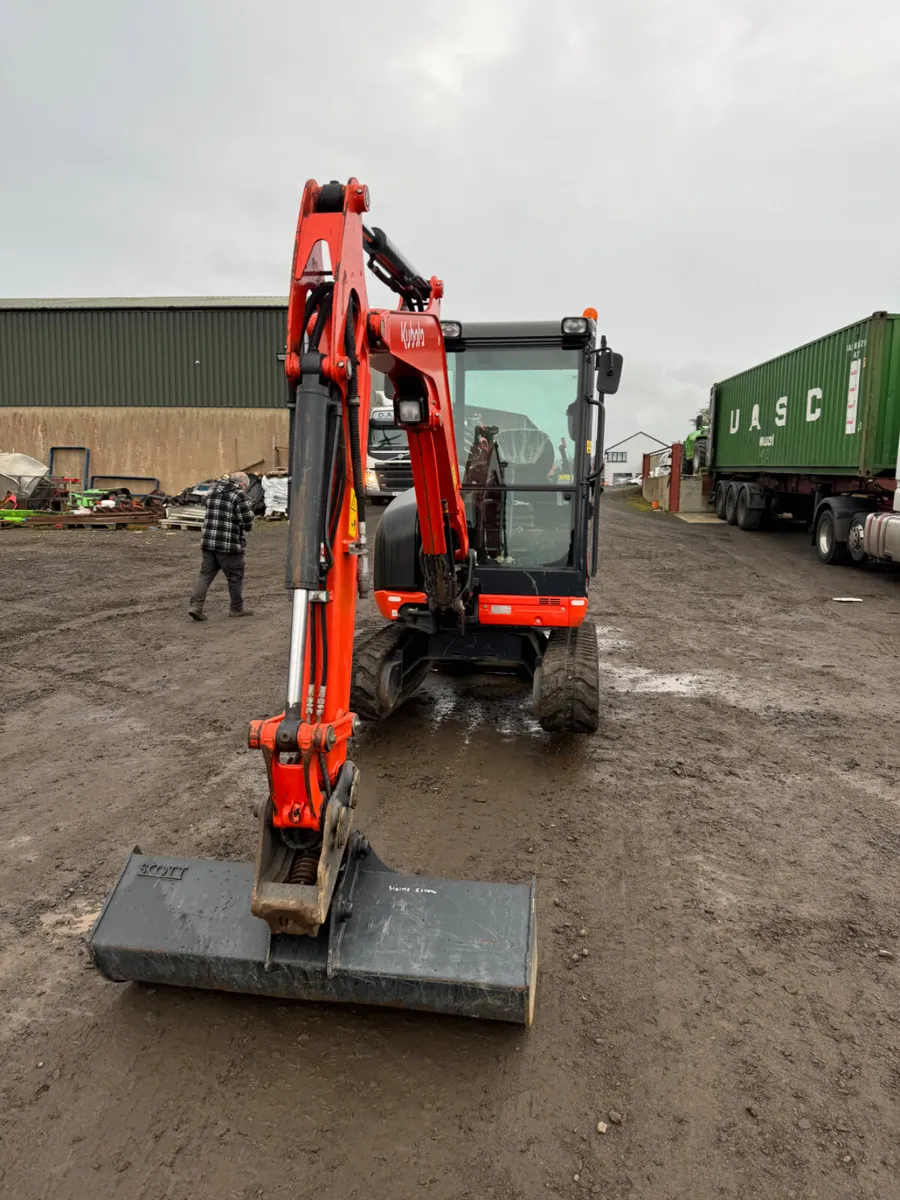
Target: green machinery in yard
{"x":15,"y":516}
{"x":695,"y":444}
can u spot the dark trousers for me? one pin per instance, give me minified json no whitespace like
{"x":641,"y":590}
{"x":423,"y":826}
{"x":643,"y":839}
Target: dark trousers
{"x":231,"y":566}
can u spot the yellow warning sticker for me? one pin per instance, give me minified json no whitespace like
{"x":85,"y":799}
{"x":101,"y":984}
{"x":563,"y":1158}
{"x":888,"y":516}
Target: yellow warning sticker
{"x":354,"y":517}
{"x":589,"y":445}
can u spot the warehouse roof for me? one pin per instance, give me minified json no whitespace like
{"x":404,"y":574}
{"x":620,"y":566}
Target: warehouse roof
{"x":631,"y":437}
{"x":98,"y":302}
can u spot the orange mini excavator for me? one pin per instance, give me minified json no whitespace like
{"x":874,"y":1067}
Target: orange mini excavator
{"x":485,"y":563}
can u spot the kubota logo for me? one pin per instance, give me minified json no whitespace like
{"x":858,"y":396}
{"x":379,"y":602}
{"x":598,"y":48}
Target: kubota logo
{"x":412,"y":336}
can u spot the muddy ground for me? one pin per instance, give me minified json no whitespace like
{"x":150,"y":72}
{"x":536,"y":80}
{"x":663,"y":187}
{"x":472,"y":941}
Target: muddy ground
{"x":725,"y":849}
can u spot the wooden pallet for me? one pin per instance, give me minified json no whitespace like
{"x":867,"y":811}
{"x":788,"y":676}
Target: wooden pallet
{"x":186,"y":512}
{"x":172,"y":523}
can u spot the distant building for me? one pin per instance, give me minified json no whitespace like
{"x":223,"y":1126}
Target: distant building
{"x":624,"y":459}
{"x":178,"y":388}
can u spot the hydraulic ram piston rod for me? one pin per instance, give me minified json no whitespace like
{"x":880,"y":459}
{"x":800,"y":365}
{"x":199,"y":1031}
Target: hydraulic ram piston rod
{"x":299,"y":612}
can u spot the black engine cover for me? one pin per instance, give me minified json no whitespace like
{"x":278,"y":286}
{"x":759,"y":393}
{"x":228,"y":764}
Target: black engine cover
{"x":397,"y":547}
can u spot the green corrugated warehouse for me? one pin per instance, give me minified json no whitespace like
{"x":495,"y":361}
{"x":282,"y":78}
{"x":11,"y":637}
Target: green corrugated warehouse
{"x":177,"y":387}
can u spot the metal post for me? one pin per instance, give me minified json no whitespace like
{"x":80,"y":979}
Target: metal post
{"x":299,"y":611}
{"x":675,"y":478}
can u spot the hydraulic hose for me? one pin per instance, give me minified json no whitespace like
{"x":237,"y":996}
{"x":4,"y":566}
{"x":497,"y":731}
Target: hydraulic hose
{"x":313,"y":300}
{"x":311,"y":687}
{"x":359,"y":482}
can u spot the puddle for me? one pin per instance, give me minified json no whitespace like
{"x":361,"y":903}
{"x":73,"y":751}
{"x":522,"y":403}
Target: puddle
{"x":446,"y":702}
{"x":506,"y":709}
{"x":609,"y":639}
{"x":468,"y":713}
{"x":761,"y":696}
{"x":643,"y":681}
{"x":476,"y":702}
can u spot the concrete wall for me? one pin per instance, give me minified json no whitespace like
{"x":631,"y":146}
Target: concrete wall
{"x":692,"y":498}
{"x":657,"y":488}
{"x":178,"y":445}
{"x":694,"y":491}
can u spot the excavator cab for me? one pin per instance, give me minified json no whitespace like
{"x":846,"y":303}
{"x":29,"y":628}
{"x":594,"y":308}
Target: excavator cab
{"x":527,"y":404}
{"x":522,"y":387}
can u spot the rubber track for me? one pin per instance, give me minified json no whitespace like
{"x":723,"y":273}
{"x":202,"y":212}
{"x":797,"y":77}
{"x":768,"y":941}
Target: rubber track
{"x":371,"y":646}
{"x":570,"y":681}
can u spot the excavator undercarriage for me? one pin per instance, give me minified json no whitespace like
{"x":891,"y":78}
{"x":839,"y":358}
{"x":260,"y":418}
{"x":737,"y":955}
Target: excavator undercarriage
{"x":391,"y":661}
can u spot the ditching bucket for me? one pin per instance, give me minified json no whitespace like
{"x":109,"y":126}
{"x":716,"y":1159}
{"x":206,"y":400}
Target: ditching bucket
{"x":444,"y":946}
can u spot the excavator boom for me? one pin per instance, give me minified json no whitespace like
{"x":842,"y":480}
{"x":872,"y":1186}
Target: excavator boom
{"x":318,"y":916}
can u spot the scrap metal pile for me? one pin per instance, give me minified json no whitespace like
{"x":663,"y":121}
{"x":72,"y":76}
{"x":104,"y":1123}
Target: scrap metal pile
{"x":188,"y":508}
{"x":32,"y":496}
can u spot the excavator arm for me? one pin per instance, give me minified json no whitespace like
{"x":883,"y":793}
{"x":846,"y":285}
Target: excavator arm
{"x":407,"y":344}
{"x":332,"y":338}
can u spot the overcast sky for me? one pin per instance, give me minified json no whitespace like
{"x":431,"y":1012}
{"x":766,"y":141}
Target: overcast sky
{"x":719,"y":178}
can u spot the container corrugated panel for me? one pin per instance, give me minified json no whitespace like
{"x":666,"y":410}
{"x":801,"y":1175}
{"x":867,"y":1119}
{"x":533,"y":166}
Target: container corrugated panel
{"x":830,"y":407}
{"x":204,"y":357}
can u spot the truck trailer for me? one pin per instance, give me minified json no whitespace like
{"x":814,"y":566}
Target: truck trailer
{"x":815,"y":434}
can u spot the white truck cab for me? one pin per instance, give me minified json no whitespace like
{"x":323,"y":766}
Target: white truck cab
{"x":388,"y":465}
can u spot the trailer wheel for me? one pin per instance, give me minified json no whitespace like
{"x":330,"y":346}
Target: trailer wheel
{"x":721,"y":490}
{"x":747,"y":518}
{"x":731,"y":497}
{"x":856,"y":538}
{"x":828,"y":548}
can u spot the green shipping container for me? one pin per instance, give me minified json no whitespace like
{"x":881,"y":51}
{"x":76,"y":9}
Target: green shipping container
{"x":831,"y":407}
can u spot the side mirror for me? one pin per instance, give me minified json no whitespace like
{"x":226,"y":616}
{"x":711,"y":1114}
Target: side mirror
{"x":609,"y":370}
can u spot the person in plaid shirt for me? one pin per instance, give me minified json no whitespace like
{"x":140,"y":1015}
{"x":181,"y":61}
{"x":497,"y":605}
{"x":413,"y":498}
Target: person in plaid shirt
{"x":228,"y":519}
